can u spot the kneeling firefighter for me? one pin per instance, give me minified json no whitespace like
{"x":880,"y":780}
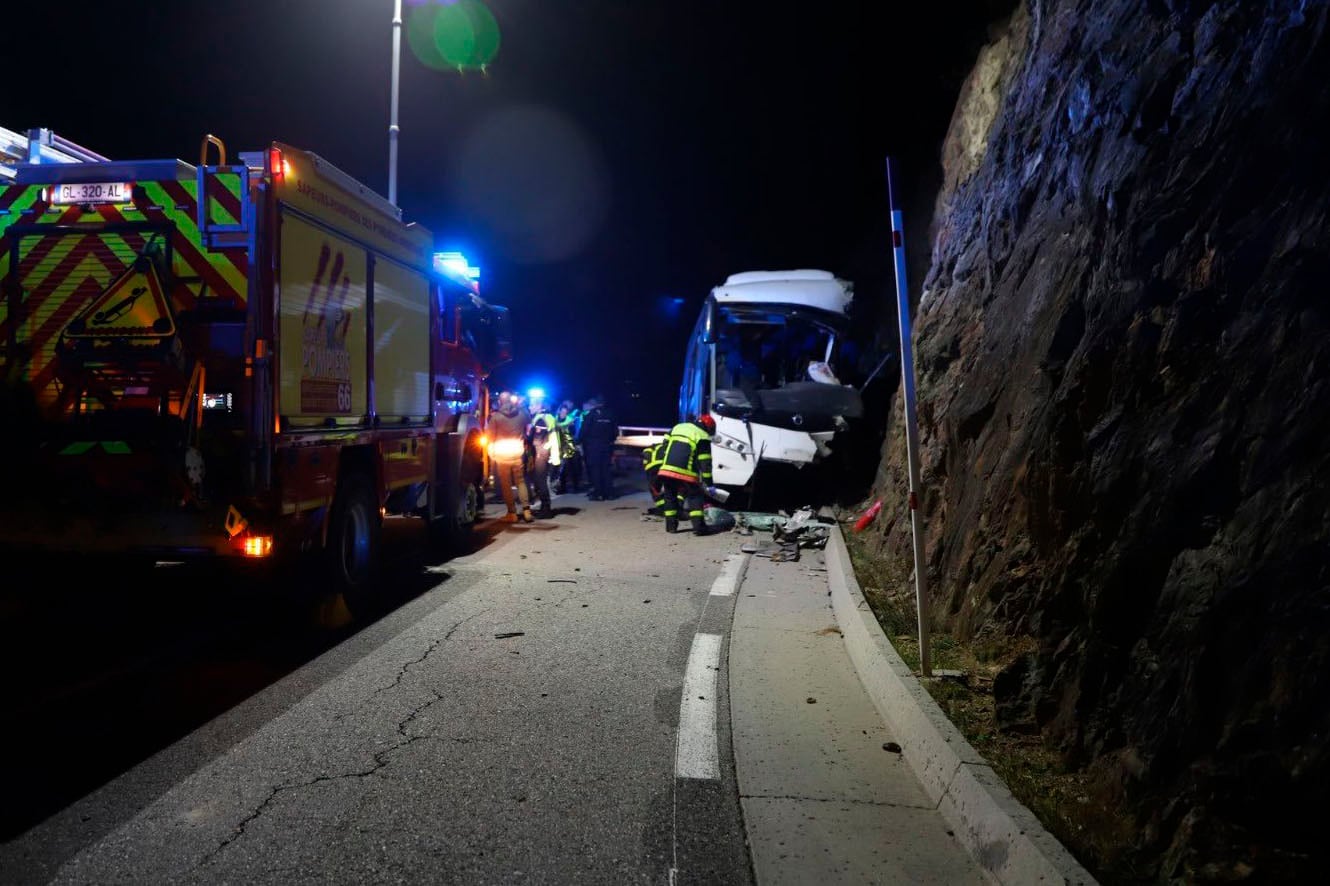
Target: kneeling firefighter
{"x":685,"y":471}
{"x":651,"y":460}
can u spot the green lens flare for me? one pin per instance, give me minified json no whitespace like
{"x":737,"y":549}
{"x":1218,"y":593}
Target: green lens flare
{"x":420,"y":28}
{"x":452,"y":36}
{"x":487,"y":34}
{"x":466,"y":34}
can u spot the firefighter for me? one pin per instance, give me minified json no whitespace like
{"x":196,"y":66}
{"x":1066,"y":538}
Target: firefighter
{"x":685,"y":471}
{"x":570,"y":474}
{"x":507,"y":430}
{"x":543,"y":438}
{"x":651,"y":458}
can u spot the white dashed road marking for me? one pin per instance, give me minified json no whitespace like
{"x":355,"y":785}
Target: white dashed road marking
{"x":731,"y":576}
{"x":697,"y":755}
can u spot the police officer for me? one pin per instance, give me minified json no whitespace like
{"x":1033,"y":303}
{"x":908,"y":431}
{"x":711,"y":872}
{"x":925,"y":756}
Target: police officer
{"x":685,"y":471}
{"x":596,"y":437}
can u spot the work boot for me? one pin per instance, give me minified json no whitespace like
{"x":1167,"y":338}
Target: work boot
{"x":510,"y":517}
{"x":699,"y":526}
{"x":526,"y":516}
{"x":545,"y":513}
{"x":671,"y":524}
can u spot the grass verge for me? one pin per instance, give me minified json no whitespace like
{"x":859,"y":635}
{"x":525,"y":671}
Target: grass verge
{"x":1061,"y":798}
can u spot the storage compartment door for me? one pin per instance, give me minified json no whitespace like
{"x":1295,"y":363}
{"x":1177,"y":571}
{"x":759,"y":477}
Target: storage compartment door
{"x":401,"y":344}
{"x":323,"y":327}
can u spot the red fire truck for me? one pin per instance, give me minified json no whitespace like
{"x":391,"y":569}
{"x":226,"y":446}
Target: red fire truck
{"x":252,"y":360}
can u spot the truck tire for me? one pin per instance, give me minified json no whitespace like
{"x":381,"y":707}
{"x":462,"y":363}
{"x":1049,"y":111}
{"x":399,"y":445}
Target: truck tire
{"x":451,"y":530}
{"x":353,"y":550}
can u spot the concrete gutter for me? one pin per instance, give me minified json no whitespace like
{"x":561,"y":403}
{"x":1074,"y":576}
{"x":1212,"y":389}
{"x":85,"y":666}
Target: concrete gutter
{"x":1002,"y":835}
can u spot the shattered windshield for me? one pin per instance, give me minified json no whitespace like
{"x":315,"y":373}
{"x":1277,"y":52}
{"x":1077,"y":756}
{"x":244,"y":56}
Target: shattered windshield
{"x":769,"y":349}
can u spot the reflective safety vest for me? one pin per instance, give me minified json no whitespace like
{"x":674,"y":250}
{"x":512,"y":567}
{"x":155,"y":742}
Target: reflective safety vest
{"x":652,"y":456}
{"x":567,"y":429}
{"x":687,"y":454}
{"x":545,"y":433}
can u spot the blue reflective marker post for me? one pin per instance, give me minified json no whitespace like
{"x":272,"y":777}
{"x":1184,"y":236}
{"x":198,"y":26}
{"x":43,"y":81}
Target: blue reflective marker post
{"x":911,"y":420}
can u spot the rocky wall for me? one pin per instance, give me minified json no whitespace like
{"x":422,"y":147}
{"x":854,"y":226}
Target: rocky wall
{"x":1122,"y":351}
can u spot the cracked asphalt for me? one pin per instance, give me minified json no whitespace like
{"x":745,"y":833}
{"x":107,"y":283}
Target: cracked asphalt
{"x":510,"y":718}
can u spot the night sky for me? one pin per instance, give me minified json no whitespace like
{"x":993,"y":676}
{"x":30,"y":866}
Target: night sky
{"x":615,"y":157}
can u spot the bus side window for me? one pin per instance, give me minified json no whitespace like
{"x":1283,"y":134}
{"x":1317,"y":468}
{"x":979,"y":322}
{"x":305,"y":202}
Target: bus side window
{"x":447,"y":313}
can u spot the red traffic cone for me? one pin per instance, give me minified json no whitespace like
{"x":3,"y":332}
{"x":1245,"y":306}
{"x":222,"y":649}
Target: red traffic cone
{"x":869,"y":516}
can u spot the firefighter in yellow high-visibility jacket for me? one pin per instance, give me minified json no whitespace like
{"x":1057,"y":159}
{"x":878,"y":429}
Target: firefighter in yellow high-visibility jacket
{"x":651,"y":459}
{"x":685,"y":471}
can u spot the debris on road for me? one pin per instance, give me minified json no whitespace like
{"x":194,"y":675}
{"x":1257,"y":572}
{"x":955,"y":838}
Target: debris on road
{"x":718,"y":519}
{"x":510,"y":635}
{"x":803,"y":529}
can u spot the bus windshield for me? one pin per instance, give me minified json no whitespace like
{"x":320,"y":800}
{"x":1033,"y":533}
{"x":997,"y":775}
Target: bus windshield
{"x":770,"y":348}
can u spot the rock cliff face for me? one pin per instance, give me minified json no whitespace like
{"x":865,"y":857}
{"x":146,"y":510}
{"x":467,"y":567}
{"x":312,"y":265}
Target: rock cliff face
{"x":1123,"y":360}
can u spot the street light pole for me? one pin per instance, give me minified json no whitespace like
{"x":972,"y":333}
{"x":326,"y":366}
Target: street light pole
{"x":392,"y":120}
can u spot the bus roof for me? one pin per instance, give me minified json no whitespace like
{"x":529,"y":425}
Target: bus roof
{"x":821,"y":290}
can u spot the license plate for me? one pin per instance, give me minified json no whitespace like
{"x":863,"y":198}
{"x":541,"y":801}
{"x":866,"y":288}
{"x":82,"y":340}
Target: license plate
{"x":91,"y":192}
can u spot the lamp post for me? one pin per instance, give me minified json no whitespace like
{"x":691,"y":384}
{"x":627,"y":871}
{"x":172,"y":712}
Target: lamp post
{"x":472,"y":35}
{"x":392,"y":118}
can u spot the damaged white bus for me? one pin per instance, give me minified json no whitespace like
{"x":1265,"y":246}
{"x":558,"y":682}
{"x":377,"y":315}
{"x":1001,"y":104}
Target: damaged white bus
{"x":761,"y":360}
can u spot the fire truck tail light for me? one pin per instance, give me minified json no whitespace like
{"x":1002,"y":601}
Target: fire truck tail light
{"x":277,"y":164}
{"x":258,"y":546}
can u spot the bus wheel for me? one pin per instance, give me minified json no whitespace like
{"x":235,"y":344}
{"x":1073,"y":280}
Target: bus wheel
{"x":354,"y":539}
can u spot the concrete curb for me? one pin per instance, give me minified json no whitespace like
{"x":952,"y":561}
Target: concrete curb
{"x":1002,"y":835}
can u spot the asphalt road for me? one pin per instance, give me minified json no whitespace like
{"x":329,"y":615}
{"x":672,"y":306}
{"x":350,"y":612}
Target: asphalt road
{"x":511,"y":717}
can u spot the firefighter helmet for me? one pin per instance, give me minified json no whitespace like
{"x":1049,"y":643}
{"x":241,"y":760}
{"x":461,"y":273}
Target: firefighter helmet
{"x":707,"y":423}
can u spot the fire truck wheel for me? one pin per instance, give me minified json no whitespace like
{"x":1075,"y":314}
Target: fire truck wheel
{"x":354,"y":536}
{"x":451,"y":531}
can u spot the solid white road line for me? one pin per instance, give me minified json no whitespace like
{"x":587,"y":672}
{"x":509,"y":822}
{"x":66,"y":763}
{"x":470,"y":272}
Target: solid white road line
{"x":731,"y":576}
{"x":696,"y":755}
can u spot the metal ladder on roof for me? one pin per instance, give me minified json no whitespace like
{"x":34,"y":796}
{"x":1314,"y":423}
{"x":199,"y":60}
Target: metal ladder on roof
{"x":39,"y":146}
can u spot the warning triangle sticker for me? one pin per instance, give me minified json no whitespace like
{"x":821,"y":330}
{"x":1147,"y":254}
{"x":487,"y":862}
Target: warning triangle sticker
{"x":133,"y":306}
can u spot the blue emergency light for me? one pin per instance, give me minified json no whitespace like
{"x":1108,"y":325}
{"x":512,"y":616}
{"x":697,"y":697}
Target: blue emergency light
{"x":457,"y":263}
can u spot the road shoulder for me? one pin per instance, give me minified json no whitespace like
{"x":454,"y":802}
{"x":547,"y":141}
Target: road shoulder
{"x":996,"y":829}
{"x":823,"y":795}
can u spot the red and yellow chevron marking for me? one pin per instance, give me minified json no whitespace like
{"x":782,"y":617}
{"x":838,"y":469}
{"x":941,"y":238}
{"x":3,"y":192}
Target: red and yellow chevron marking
{"x":61,"y":277}
{"x":61,"y":274}
{"x":224,"y":272}
{"x":223,"y":194}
